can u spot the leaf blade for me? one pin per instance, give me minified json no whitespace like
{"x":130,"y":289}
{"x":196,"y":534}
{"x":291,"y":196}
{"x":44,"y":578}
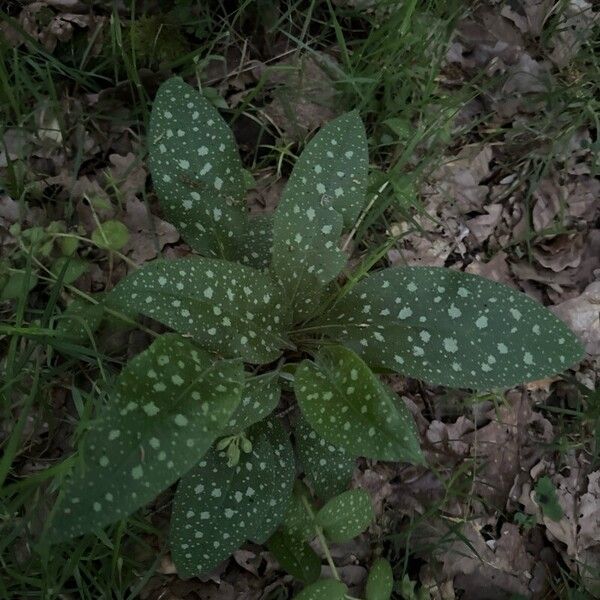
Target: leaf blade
{"x":228,"y":308}
{"x":260,"y":396}
{"x":325,"y":589}
{"x":256,"y":241}
{"x":327,"y":468}
{"x":380,"y":582}
{"x":346,"y":404}
{"x":136,"y":450}
{"x":196,"y":169}
{"x":295,"y":556}
{"x":325,"y":191}
{"x":346,"y":516}
{"x":217,"y":508}
{"x":450,"y":328}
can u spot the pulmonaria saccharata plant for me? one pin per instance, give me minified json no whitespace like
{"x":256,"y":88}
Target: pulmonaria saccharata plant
{"x":259,"y":310}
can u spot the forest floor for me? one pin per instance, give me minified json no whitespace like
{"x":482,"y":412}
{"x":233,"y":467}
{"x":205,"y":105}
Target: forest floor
{"x":483,"y":118}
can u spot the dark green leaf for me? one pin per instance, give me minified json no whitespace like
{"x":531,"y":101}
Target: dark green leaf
{"x":228,"y":308}
{"x":326,"y":589}
{"x":327,"y":468}
{"x":346,"y":516}
{"x":295,"y":556}
{"x":255,"y":242}
{"x":169,"y":404}
{"x":196,"y":169}
{"x":347,"y":404}
{"x":545,"y":496}
{"x":450,"y":328}
{"x":326,"y":190}
{"x":217,"y":507}
{"x":259,"y":398}
{"x":381,"y":581}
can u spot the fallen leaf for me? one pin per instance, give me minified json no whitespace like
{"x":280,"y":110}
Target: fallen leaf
{"x":305,"y":98}
{"x":582,"y":315}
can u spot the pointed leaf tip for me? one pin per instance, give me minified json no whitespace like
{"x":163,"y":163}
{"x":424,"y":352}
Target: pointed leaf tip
{"x":325,"y":192}
{"x":345,"y":403}
{"x":196,"y":169}
{"x":450,"y":328}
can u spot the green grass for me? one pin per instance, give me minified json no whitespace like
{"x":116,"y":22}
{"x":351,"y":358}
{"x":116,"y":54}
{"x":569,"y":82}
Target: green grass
{"x":389,"y":66}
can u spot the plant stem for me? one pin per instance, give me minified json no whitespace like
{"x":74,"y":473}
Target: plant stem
{"x":322,"y":540}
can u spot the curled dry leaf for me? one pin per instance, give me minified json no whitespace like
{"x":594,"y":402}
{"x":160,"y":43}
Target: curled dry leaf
{"x":149,"y":234}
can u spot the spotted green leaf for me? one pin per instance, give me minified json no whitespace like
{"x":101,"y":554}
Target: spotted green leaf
{"x":255,"y":242}
{"x":325,"y":192}
{"x":325,"y":589}
{"x":217,"y":507}
{"x":346,"y":404}
{"x":169,"y":404}
{"x":196,"y":169}
{"x":327,"y":467}
{"x":295,"y":556}
{"x":260,"y":396}
{"x":450,"y":328}
{"x":346,"y":516}
{"x":380,"y":582}
{"x":228,"y":308}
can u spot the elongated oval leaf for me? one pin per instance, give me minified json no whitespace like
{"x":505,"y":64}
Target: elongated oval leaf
{"x":196,"y":169}
{"x":326,"y":190}
{"x":295,"y":556}
{"x":326,"y":589}
{"x":332,"y":169}
{"x":170,"y":403}
{"x":380,"y":582}
{"x":260,"y":396}
{"x":346,"y":516}
{"x":451,"y":328}
{"x":255,"y":242}
{"x":217,"y":507}
{"x":346,"y":404}
{"x":228,"y":308}
{"x":327,"y":467}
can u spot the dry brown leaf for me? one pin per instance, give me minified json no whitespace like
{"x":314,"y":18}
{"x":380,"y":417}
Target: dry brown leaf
{"x":128,"y":174}
{"x":149,"y":234}
{"x":576,"y":25}
{"x":419,"y":250}
{"x":549,"y":196}
{"x":483,"y":226}
{"x":305,"y":100}
{"x":458,"y":181}
{"x":496,"y":269}
{"x":560,"y":252}
{"x":582,"y":315}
